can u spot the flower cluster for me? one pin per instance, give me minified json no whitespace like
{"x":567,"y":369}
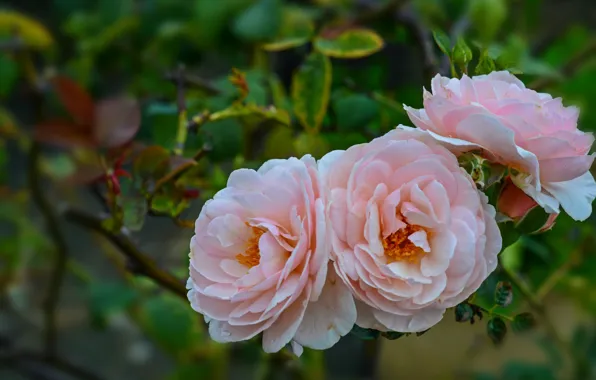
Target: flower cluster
{"x":389,"y":234}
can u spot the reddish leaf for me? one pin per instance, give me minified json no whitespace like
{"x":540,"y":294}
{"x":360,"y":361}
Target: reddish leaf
{"x":63,"y":133}
{"x":89,"y":168}
{"x":152,"y":163}
{"x":76,"y":100}
{"x":117,"y":120}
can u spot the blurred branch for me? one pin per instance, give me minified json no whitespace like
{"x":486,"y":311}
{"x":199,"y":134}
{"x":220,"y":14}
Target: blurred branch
{"x":139,"y":262}
{"x":409,"y":19}
{"x":41,"y":367}
{"x":59,"y":269}
{"x":191,"y":80}
{"x":569,"y":68}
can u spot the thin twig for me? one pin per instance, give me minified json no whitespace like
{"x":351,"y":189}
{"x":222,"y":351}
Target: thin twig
{"x":140,"y":262}
{"x":191,"y":80}
{"x":173,"y":175}
{"x":569,"y":68}
{"x":59,"y":269}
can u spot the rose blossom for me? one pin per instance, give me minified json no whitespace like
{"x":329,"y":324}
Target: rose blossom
{"x":259,"y":259}
{"x":531,"y":133}
{"x":516,"y":205}
{"x":411,"y":235}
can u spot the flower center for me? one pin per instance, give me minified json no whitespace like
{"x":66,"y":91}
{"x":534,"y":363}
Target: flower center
{"x":399,"y":248}
{"x":252,"y":255}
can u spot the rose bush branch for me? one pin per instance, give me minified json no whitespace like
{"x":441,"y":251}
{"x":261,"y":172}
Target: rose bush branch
{"x":141,"y":264}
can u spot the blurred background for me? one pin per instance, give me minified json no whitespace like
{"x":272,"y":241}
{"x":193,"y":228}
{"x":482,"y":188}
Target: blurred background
{"x":119,"y":118}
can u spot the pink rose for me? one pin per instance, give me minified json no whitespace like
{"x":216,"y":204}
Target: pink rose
{"x":516,"y":205}
{"x":531,"y":133}
{"x":259,"y":259}
{"x":411,"y":235}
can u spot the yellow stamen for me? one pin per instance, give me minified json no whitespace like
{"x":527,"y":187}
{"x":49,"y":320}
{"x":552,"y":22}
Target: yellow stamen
{"x":252,"y":256}
{"x":399,"y":248}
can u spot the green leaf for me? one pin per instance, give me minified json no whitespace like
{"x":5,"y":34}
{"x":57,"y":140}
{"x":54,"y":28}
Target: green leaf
{"x":392,"y":335}
{"x":534,"y":220}
{"x":59,"y":166}
{"x":484,"y":297}
{"x":509,"y":233}
{"x":485,"y":65}
{"x":443,"y":41}
{"x":314,"y":145}
{"x":152,"y":163}
{"x":343,"y":140}
{"x":33,"y":33}
{"x":279,"y":143}
{"x":364,"y":334}
{"x":462,"y":54}
{"x":496,"y":330}
{"x":353,"y":43}
{"x":463,"y":312}
{"x":311,"y":87}
{"x":134,"y":209}
{"x":296,"y":29}
{"x":163,"y":118}
{"x":9,"y":72}
{"x":107,"y":298}
{"x":171,"y":323}
{"x":354,"y":112}
{"x":225,"y":137}
{"x":259,"y":22}
{"x":503,"y":294}
{"x":523,"y":322}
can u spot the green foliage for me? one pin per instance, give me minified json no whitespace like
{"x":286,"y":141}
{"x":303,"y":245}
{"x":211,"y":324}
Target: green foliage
{"x":523,"y":322}
{"x":364,"y":334}
{"x":259,"y":22}
{"x":311,"y":88}
{"x":463,"y":312}
{"x":107,"y":299}
{"x":351,"y":43}
{"x":503,"y":294}
{"x":173,"y":325}
{"x":354,"y":111}
{"x":496,"y":330}
{"x":259,"y":80}
{"x":296,"y":29}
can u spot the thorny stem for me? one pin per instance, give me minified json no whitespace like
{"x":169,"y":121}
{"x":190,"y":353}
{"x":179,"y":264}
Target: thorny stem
{"x":142,"y":264}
